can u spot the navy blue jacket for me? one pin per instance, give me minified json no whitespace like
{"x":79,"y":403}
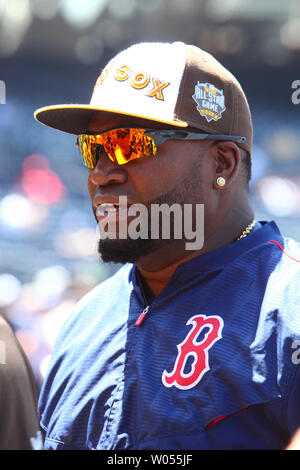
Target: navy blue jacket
{"x":214,"y":364}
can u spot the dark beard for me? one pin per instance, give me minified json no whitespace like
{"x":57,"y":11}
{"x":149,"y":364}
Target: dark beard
{"x":130,"y":250}
{"x":126,"y":251}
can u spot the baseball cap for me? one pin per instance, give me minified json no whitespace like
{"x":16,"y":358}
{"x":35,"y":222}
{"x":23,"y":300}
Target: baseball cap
{"x":161,"y":85}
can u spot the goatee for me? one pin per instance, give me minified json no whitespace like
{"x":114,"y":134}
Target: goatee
{"x":129,"y":250}
{"x":125,"y":251}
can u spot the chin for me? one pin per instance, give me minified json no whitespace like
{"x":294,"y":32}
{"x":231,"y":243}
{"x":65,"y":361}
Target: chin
{"x":125,"y":251}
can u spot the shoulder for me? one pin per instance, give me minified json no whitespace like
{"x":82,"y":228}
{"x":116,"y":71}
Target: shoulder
{"x":18,"y":404}
{"x":104,"y":293}
{"x":282,"y":293}
{"x":11,"y":354}
{"x":277,"y":256}
{"x":286,"y":275}
{"x":89,"y":311}
{"x":115,"y":283}
{"x":99,"y":315}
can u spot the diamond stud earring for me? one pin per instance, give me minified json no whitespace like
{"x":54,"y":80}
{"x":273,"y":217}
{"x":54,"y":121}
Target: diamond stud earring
{"x":221,"y":181}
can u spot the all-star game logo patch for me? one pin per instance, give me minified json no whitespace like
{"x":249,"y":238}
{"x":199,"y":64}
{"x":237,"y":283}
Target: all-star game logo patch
{"x":210,"y":101}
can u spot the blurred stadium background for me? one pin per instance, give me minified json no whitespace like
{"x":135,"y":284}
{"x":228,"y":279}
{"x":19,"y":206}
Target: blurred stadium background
{"x":51,"y":51}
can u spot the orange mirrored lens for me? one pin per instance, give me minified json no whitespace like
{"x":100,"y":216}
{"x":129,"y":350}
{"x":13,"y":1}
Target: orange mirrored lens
{"x":121,"y":145}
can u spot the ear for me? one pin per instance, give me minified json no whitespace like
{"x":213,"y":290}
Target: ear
{"x":227,"y":162}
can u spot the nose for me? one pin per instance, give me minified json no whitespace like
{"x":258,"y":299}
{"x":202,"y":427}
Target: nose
{"x":107,"y":172}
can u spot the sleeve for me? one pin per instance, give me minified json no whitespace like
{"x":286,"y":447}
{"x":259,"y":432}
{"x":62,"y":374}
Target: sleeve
{"x":19,"y":428}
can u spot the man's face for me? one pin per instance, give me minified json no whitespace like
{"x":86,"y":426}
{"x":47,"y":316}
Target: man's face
{"x":175,"y":175}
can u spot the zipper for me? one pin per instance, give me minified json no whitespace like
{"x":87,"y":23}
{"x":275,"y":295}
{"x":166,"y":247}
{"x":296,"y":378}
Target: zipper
{"x":142,"y":316}
{"x":147,"y":301}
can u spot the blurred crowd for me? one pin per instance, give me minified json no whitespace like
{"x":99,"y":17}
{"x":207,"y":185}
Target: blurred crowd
{"x":48,"y":236}
{"x":48,"y":243}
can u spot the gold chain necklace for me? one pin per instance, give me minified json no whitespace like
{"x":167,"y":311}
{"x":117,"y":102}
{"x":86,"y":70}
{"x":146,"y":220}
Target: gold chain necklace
{"x":247,"y":230}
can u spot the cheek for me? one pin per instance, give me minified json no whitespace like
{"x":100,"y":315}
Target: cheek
{"x":151,"y":181}
{"x":157,"y":175}
{"x":90,"y":186}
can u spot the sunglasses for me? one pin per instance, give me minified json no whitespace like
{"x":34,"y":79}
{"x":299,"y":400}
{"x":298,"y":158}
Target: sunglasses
{"x":124,"y":145}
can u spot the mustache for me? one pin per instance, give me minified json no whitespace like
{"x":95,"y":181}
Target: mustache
{"x":173,"y":196}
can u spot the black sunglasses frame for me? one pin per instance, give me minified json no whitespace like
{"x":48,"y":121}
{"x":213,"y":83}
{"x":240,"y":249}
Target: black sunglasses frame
{"x":162,"y":135}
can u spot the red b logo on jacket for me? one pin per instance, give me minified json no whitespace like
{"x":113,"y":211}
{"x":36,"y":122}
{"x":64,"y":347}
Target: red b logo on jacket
{"x":198,"y":351}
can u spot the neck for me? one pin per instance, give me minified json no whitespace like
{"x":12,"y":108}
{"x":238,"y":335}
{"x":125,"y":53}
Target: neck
{"x":214,"y":237}
{"x":167,"y":255}
{"x":155,"y":281}
{"x":158,"y":267}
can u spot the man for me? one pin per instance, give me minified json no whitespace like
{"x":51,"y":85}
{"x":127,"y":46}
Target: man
{"x":19,"y":426}
{"x":187,"y":346}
